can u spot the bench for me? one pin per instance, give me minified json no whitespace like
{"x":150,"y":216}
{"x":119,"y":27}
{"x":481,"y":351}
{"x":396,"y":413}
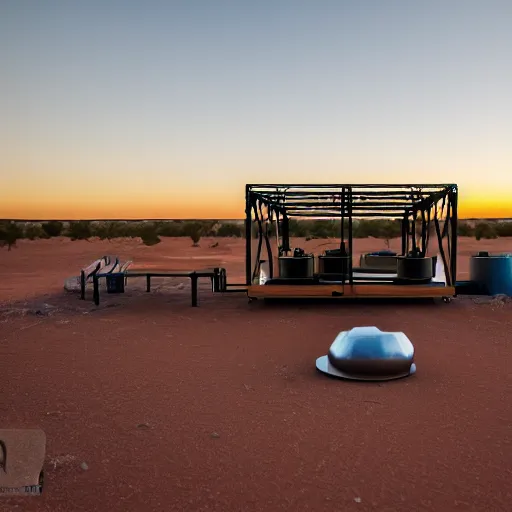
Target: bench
{"x":105,"y":264}
{"x":123,"y":276}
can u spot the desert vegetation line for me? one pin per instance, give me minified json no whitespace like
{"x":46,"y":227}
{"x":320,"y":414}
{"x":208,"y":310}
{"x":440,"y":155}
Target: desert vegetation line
{"x":151,"y":232}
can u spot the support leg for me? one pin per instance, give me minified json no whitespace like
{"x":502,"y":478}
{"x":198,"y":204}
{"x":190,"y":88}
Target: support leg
{"x":82,"y":285}
{"x":215,"y":280}
{"x":96,"y":290}
{"x":193,"y":280}
{"x":148,"y":283}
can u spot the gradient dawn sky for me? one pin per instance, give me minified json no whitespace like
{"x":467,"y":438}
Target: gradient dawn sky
{"x":166,"y":109}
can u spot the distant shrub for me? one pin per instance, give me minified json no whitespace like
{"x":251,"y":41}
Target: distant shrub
{"x":504,"y":229}
{"x":33,"y":231}
{"x":133,"y":229}
{"x":194,"y":230}
{"x":297,"y":228}
{"x":208,"y":227}
{"x":485,"y":230}
{"x":80,"y":230}
{"x":230,"y":230}
{"x":53,"y":228}
{"x":362,"y":229}
{"x":169,"y":229}
{"x":385,"y":229}
{"x":388,"y":229}
{"x":107,"y":230}
{"x":191,"y":227}
{"x":324,"y":229}
{"x":195,"y":236}
{"x":149,"y":234}
{"x":10,"y":232}
{"x":465,"y":229}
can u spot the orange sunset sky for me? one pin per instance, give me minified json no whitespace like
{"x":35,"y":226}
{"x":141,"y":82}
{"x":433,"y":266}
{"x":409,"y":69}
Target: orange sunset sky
{"x":167,"y":109}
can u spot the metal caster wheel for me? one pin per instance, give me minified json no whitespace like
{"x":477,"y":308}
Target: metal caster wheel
{"x":447,"y":300}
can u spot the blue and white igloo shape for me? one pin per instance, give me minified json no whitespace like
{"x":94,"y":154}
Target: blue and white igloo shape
{"x":367,"y":353}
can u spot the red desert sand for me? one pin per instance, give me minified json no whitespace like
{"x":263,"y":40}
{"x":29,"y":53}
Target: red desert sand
{"x":149,"y":404}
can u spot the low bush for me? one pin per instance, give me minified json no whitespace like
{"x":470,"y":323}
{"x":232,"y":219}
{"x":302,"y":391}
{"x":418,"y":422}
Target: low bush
{"x":149,"y":234}
{"x":169,"y":229}
{"x":299,"y":229}
{"x":385,"y":229}
{"x":79,"y":230}
{"x":10,"y":232}
{"x":485,"y":230}
{"x":53,"y":228}
{"x":504,"y":229}
{"x":194,"y":230}
{"x":465,"y":229}
{"x":107,"y":230}
{"x":33,"y":231}
{"x":325,"y":229}
{"x":230,"y":230}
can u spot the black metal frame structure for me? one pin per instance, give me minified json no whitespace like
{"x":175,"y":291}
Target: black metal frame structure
{"x":412,"y":205}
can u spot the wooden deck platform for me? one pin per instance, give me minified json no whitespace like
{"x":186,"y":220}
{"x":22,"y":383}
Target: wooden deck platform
{"x":339,"y":291}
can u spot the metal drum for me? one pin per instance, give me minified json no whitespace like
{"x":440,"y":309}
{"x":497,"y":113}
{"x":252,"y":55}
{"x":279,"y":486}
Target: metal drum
{"x":386,"y":262}
{"x":492,"y":275}
{"x":333,"y":265}
{"x":413,"y":268}
{"x":367,"y":353}
{"x":292,"y":267}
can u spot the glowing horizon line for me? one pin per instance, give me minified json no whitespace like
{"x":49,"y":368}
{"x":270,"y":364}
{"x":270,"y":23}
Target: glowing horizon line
{"x":171,"y":219}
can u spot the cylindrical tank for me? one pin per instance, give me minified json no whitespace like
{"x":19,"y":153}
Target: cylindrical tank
{"x":378,"y":262}
{"x":414,"y":268}
{"x":333,"y":265}
{"x":296,"y":267}
{"x":492,"y":273}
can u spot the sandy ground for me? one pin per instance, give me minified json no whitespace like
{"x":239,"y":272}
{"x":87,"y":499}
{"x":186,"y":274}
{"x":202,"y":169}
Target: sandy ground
{"x":220,"y":407}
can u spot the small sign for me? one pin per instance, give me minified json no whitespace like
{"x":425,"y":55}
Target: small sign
{"x":22,"y":454}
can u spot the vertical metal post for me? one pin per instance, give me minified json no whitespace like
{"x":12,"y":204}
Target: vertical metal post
{"x":96,"y":289}
{"x":268,"y":245}
{"x":248,"y":236}
{"x":193,"y":282}
{"x":423,"y":234}
{"x":405,"y":221}
{"x":342,"y":208}
{"x":277,"y":230}
{"x":82,"y":285}
{"x":350,"y":255}
{"x":453,"y":198}
{"x":215,"y":280}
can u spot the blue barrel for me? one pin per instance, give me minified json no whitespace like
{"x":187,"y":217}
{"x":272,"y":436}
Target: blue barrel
{"x":492,"y":273}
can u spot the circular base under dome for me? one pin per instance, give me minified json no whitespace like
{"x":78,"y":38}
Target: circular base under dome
{"x":323,"y":365}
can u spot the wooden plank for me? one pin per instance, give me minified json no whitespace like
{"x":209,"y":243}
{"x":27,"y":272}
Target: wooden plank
{"x":169,"y":274}
{"x":155,"y":274}
{"x":153,"y":271}
{"x":393,"y":290}
{"x":291,"y":291}
{"x":347,"y":291}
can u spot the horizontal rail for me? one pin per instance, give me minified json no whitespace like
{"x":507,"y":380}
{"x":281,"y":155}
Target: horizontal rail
{"x":355,"y":186}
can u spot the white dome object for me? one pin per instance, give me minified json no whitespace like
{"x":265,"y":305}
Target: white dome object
{"x":367,"y":353}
